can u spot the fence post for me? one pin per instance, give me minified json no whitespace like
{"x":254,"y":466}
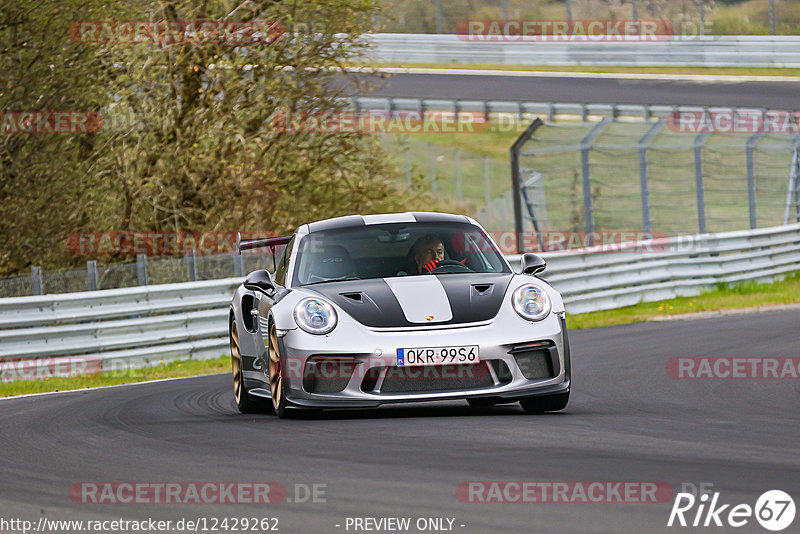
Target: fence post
{"x":793,"y":191}
{"x":407,"y":154}
{"x":751,"y":178}
{"x":516,"y":182}
{"x":586,"y":145}
{"x":772,"y":17}
{"x":91,"y":275}
{"x":698,"y":178}
{"x":487,"y":193}
{"x":702,"y":17}
{"x":238,"y":265}
{"x":141,"y":269}
{"x":459,"y":183}
{"x":432,"y":157}
{"x":37,"y":285}
{"x":644,"y":142}
{"x":191,"y":264}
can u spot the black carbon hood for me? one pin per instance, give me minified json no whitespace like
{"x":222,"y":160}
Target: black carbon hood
{"x":472,"y":298}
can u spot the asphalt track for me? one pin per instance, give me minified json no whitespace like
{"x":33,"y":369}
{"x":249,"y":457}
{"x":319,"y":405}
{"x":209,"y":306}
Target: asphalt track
{"x":780,"y":95}
{"x":627,"y":420}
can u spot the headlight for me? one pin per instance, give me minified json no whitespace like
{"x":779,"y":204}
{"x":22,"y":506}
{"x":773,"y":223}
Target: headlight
{"x":531,"y":302}
{"x":315,"y":316}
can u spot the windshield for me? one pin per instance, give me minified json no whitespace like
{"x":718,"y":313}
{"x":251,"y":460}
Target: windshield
{"x":397,"y":249}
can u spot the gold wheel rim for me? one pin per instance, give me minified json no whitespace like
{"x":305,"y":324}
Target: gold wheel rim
{"x":275,"y":375}
{"x":236,"y":364}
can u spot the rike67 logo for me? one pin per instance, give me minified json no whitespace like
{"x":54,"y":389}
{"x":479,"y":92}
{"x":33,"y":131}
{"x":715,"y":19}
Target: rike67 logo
{"x":774,"y":510}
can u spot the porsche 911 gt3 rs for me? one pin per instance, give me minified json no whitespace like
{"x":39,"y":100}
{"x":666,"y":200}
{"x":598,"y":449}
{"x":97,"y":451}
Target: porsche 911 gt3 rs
{"x":361,"y":311}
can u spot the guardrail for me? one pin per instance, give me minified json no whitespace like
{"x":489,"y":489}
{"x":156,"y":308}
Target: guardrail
{"x":550,"y":111}
{"x":146,"y":325}
{"x":616,"y":276}
{"x":114,"y":329}
{"x":689,"y":50}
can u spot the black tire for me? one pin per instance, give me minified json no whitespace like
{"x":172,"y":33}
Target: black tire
{"x":240,"y":395}
{"x":275,"y":372}
{"x":545,"y":403}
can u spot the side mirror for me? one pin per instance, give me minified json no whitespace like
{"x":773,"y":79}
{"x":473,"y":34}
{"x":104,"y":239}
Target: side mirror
{"x":532,"y":264}
{"x":262,"y":281}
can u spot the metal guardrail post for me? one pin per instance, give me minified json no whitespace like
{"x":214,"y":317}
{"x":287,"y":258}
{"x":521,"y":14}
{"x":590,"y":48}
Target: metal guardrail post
{"x":407,"y":154}
{"x":37,"y":284}
{"x":702,"y":16}
{"x":644,"y":142}
{"x":487,"y":194}
{"x":516,"y":185}
{"x":772,"y":17}
{"x":586,"y":145}
{"x":191,"y":264}
{"x":91,"y":275}
{"x":141,"y":269}
{"x":433,"y":169}
{"x":698,"y":177}
{"x":793,"y":191}
{"x":238,"y":265}
{"x":751,"y":178}
{"x":459,"y":182}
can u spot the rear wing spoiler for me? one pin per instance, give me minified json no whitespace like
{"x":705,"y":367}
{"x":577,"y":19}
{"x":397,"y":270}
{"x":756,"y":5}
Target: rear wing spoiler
{"x":261,"y":242}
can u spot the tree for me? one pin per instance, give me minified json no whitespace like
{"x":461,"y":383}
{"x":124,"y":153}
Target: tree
{"x":189,"y":141}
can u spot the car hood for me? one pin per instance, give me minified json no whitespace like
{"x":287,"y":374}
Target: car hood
{"x":419,"y":300}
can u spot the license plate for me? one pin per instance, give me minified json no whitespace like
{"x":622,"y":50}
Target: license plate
{"x":437,"y":356}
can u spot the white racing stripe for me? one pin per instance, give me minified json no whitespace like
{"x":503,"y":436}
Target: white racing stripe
{"x":422,"y":298}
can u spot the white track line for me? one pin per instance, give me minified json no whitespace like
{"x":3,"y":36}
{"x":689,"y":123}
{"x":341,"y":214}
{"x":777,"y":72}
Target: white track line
{"x":103,"y":387}
{"x":707,"y":78}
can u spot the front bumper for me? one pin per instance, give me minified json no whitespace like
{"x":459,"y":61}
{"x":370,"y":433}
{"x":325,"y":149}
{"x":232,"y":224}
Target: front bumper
{"x":371,"y":364}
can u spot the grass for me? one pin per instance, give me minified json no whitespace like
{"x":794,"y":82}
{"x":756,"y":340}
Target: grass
{"x":723,"y":297}
{"x":690,"y":71}
{"x":110,"y":378}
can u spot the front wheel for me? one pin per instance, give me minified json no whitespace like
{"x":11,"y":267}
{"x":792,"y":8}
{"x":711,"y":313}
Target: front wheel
{"x":243,"y":400}
{"x":276,"y":375}
{"x":545,"y":403}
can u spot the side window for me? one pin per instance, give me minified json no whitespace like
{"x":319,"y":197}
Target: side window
{"x":283,"y":264}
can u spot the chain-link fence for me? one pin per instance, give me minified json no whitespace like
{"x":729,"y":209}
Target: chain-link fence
{"x":462,"y":180}
{"x":649,"y":175}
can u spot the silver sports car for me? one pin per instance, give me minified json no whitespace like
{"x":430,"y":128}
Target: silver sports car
{"x":367,"y":310}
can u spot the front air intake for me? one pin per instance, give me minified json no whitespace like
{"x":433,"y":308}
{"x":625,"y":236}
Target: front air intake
{"x":536,"y":361}
{"x":328,"y":374}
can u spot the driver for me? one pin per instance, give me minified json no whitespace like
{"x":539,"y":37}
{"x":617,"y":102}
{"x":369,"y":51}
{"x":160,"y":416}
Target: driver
{"x":428,"y":251}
